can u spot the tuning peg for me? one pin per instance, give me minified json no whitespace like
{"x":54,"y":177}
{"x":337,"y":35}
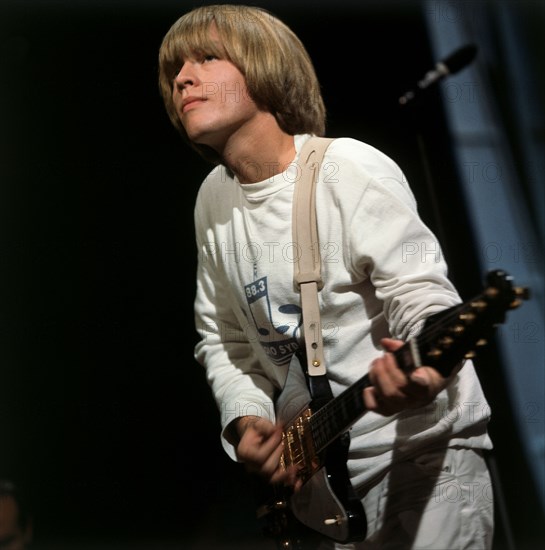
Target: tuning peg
{"x":522,"y":292}
{"x":446,"y":341}
{"x":467,"y":317}
{"x":470,"y":355}
{"x":482,"y":342}
{"x":434,"y":353}
{"x":478,"y":304}
{"x":491,"y":292}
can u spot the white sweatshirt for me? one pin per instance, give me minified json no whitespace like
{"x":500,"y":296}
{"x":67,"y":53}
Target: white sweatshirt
{"x":383,"y":272}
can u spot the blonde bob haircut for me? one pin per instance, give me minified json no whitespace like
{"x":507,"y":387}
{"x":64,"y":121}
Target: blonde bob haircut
{"x":278,"y":71}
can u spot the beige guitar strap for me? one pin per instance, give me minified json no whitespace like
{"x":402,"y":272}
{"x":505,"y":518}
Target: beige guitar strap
{"x":307,"y":267}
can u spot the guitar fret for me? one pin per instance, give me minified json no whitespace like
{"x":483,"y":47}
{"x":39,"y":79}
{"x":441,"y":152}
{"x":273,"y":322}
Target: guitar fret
{"x":337,"y":415}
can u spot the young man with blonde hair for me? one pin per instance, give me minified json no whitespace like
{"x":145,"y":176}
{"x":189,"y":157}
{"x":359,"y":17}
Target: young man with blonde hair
{"x":240,"y":87}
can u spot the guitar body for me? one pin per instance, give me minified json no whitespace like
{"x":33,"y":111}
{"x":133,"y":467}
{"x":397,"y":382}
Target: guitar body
{"x":316,"y":425}
{"x":327,"y":502}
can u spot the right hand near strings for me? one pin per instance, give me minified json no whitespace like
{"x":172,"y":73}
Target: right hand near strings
{"x":260,"y":449}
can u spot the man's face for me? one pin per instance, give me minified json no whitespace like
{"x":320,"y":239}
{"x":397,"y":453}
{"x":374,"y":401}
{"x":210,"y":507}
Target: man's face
{"x":12,"y":537}
{"x":212,"y":101}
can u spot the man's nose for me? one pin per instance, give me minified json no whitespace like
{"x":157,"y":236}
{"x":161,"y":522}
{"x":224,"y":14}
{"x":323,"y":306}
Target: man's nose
{"x":186,"y":76}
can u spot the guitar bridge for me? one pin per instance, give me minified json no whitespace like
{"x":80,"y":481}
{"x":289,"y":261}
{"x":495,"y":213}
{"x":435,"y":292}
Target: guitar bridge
{"x":299,"y":448}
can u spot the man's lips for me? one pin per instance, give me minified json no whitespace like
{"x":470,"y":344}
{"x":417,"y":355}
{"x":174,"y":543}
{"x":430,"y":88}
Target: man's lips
{"x":190,"y":102}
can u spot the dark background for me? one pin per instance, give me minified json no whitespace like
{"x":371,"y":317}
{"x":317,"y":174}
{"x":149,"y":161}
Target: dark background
{"x":106,"y":420}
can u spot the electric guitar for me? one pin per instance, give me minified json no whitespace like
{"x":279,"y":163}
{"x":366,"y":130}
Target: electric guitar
{"x":316,"y":438}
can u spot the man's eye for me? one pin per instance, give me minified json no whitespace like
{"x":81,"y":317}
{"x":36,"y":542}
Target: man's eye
{"x":209,"y":58}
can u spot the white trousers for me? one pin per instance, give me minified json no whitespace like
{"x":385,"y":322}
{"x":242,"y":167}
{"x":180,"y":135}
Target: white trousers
{"x":439,"y":500}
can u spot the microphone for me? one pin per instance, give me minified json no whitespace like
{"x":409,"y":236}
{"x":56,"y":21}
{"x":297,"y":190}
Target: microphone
{"x":450,"y":65}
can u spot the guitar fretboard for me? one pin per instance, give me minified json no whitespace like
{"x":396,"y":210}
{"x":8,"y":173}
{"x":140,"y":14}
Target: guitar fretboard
{"x":337,"y":415}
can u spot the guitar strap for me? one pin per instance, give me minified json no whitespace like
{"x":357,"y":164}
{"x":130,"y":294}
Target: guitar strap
{"x":307,"y":268}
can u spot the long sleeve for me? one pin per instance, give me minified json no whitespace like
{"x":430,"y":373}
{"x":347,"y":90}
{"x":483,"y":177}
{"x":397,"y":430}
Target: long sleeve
{"x":233,"y":371}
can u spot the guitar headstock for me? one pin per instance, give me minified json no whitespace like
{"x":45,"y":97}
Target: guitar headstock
{"x":457,"y":333}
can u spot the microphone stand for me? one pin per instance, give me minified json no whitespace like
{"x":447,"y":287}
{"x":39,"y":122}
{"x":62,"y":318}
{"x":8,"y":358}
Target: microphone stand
{"x":412,"y":111}
{"x":412,"y":101}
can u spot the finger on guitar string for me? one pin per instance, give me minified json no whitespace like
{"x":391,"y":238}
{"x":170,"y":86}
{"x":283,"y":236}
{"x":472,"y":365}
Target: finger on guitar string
{"x":386,"y":395}
{"x":393,"y":390}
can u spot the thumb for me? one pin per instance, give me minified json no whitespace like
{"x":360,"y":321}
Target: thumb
{"x":390,"y":344}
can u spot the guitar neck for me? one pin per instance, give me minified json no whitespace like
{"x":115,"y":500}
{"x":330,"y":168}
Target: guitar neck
{"x":336,"y":416}
{"x":445,"y":340}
